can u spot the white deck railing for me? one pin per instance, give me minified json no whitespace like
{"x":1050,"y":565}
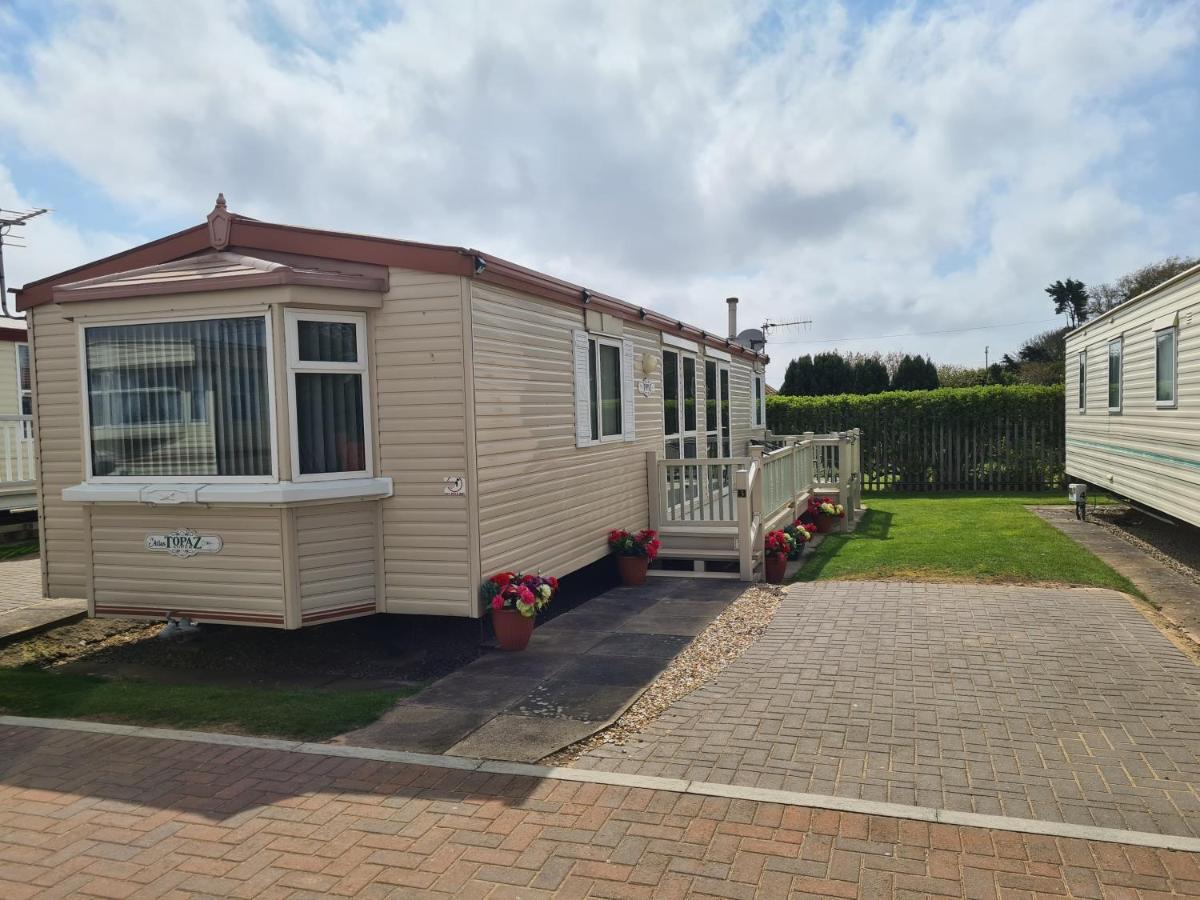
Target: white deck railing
{"x":17,"y":465}
{"x":748,"y":496}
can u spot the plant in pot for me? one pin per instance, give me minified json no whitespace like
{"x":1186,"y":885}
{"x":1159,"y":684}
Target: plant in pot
{"x":515,"y":600}
{"x":634,"y":552}
{"x":801,"y":533}
{"x":825,"y":513}
{"x":777,"y":547}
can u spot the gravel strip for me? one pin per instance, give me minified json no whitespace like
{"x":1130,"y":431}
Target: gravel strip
{"x":727,"y":638}
{"x":1111,"y":520}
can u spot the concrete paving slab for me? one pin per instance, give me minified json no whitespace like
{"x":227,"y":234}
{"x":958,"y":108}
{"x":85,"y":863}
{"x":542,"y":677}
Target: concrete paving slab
{"x":652,"y":623}
{"x":583,"y":701}
{"x":533,"y":662}
{"x":632,"y":671}
{"x":481,"y":691}
{"x":418,"y":728}
{"x":521,"y":738}
{"x":659,"y":646}
{"x":39,"y":616}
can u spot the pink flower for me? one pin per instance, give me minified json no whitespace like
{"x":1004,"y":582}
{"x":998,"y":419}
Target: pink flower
{"x":497,"y":602}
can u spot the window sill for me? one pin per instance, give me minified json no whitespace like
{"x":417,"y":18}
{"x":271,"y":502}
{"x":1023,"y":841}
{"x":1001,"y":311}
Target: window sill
{"x":283,"y":492}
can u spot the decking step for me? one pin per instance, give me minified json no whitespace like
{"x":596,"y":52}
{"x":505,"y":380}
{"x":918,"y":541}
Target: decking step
{"x":698,"y":553}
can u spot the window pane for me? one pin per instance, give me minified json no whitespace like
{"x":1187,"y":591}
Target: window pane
{"x":594,"y":390}
{"x":179,"y":398}
{"x":712,"y":451}
{"x":329,"y":422}
{"x":672,"y":451}
{"x":758,"y":400}
{"x":610,"y":390}
{"x":689,"y":394}
{"x":689,"y":448}
{"x":671,"y":392}
{"x":1114,"y":376}
{"x":1164,"y":382}
{"x":1083,"y":380}
{"x":327,"y":341}
{"x":725,"y":406}
{"x":710,"y":398}
{"x":23,"y":365}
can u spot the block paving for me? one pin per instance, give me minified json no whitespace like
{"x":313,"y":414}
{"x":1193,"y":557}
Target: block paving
{"x":117,"y":816}
{"x":1052,"y":704}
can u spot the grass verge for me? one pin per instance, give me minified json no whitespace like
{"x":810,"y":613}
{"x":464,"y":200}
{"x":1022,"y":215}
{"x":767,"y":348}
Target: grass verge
{"x":959,"y":537}
{"x":16,"y":551}
{"x":301,"y":714}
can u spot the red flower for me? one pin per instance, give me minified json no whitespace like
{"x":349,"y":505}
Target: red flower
{"x":502,"y":578}
{"x":553,"y":582}
{"x":497,"y":602}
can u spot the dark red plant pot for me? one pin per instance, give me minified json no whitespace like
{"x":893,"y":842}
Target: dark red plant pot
{"x":513,"y":630}
{"x":633,"y":569}
{"x":826,"y":524}
{"x":775,"y":567}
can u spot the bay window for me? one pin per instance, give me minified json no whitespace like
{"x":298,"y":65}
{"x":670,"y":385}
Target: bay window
{"x":192,"y":400}
{"x":327,"y":392}
{"x":180,"y":400}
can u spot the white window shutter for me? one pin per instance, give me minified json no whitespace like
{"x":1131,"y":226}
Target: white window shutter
{"x":583,"y":407}
{"x":627,"y":403}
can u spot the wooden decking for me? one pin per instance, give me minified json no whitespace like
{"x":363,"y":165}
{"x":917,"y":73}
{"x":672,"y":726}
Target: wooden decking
{"x":712,"y":514}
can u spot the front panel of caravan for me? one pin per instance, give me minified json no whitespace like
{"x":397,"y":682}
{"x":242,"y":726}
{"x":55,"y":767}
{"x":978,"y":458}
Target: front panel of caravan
{"x":1139,"y":448}
{"x":261,"y":555}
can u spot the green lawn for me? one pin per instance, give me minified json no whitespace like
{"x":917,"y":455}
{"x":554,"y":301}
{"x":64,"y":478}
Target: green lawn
{"x":959,"y":537}
{"x":301,"y":714}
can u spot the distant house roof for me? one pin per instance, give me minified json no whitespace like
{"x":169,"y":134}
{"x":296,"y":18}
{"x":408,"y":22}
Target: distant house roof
{"x":246,"y":237}
{"x":13,"y":330}
{"x":208,"y":272}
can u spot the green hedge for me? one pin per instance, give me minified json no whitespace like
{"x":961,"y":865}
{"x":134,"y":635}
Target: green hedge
{"x":998,"y":437}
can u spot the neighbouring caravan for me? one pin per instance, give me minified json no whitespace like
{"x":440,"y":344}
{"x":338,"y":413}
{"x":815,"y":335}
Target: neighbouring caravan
{"x":1133,"y":399}
{"x":17,"y":469}
{"x":248,"y":422}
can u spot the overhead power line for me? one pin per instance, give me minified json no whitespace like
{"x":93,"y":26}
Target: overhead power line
{"x":882,"y":337}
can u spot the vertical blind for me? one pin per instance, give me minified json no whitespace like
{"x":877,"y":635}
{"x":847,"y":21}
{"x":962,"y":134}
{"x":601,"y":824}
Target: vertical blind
{"x":179,"y":398}
{"x":330,"y":428}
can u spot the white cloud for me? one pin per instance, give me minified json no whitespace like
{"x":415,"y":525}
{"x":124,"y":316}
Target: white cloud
{"x":930,"y":168}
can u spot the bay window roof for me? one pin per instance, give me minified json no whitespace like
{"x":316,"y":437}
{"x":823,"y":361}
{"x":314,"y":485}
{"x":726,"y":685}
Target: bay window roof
{"x":211,"y":272}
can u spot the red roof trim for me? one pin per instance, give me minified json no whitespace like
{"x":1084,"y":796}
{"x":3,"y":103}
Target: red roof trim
{"x":441,"y":259}
{"x":19,"y":335}
{"x":68,"y":294}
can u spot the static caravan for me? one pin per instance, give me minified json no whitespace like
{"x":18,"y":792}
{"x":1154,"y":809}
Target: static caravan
{"x":247,"y":422}
{"x":17,"y":467}
{"x":1133,"y":399}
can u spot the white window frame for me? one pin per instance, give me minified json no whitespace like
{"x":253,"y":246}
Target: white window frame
{"x":595,"y":411}
{"x":715,"y":428}
{"x":682,"y":435}
{"x":1173,"y":330}
{"x":22,"y":393}
{"x":1119,"y":343}
{"x":759,"y":400}
{"x":1081,"y":370}
{"x":86,"y":400}
{"x":297,"y":366}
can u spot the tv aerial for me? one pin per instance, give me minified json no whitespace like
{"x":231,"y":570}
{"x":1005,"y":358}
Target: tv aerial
{"x":10,"y":219}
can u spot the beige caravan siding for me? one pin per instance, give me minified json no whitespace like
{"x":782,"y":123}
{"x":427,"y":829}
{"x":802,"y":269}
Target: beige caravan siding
{"x":1143,"y":452}
{"x":60,"y":452}
{"x":741,"y":401}
{"x":421,"y":390}
{"x":335,"y":553}
{"x":9,"y":396}
{"x":241,"y":583}
{"x":545,"y":503}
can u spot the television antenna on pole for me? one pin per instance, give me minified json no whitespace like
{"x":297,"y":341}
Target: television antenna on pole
{"x":10,"y":219}
{"x":768,"y":326}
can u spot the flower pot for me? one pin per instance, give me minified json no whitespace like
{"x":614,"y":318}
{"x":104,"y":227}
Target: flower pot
{"x":513,"y":630}
{"x":775,"y":568}
{"x":826,"y":524}
{"x":633,"y":569}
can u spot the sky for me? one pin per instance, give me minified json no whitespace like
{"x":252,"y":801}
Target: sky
{"x":895,"y":173}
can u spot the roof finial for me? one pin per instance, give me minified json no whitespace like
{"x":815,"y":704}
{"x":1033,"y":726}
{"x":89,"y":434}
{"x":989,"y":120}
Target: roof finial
{"x":220,"y":201}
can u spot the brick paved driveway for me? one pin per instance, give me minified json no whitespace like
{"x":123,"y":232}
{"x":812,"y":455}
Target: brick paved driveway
{"x":1053,"y":704}
{"x":20,"y":583}
{"x":116,"y":816}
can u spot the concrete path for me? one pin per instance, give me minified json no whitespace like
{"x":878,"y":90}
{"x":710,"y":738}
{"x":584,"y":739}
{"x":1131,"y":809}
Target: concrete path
{"x":581,"y":670}
{"x":160,"y":817}
{"x":23,"y":609}
{"x":1060,"y":705}
{"x":1177,"y":596}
